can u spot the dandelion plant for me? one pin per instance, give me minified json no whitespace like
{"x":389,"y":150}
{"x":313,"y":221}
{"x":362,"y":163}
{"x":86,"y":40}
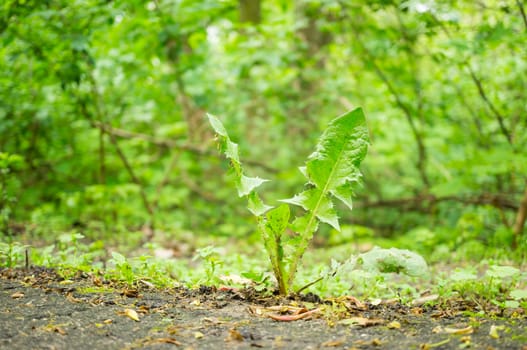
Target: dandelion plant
{"x":330,"y":171}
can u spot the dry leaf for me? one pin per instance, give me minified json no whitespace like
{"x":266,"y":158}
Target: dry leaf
{"x":17,"y":295}
{"x":333,"y":343}
{"x":96,"y":281}
{"x":108,"y":321}
{"x":198,"y":335}
{"x":423,"y":300}
{"x":59,"y":330}
{"x":164,"y":341}
{"x":234,"y":335}
{"x":293,"y":317}
{"x":148,"y":284}
{"x":362,"y":321}
{"x":466,"y":340}
{"x":438,"y":329}
{"x":466,"y":330}
{"x":72,"y":299}
{"x":394,"y":325}
{"x":131,"y":314}
{"x":493,"y":332}
{"x":130,"y":293}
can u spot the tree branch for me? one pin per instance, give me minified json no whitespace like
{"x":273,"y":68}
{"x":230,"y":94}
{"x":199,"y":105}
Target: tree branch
{"x":497,"y":114}
{"x":172,"y":144}
{"x":418,"y":203}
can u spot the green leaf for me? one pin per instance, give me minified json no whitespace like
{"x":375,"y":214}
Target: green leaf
{"x":502,"y":271}
{"x":278,"y":219}
{"x":518,"y":294}
{"x":333,"y":167}
{"x":394,"y":260}
{"x":217,"y":125}
{"x":246,"y":184}
{"x":255,"y":204}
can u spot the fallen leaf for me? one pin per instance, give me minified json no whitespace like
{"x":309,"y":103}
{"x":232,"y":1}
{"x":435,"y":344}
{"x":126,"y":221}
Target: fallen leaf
{"x":466,"y":330}
{"x":376,"y":342}
{"x":493,"y":332}
{"x":107,"y":321}
{"x":130,"y":293}
{"x":163,"y":341}
{"x":293,"y":317}
{"x":428,"y":346}
{"x":17,"y":295}
{"x":362,"y":321}
{"x":234,"y":335}
{"x":394,"y":325}
{"x":72,"y":299}
{"x":438,"y":329}
{"x":198,"y":335}
{"x":376,"y":302}
{"x":467,"y":340}
{"x":59,"y":330}
{"x":131,"y":314}
{"x":96,"y":281}
{"x":425,"y":299}
{"x":333,"y":343}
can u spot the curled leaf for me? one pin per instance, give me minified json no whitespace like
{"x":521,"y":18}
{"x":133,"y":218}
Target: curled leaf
{"x":130,"y":313}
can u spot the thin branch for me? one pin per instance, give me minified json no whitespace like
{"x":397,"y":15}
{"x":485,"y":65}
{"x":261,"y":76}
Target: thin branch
{"x":497,"y":114}
{"x":481,"y":90}
{"x":113,"y":140}
{"x":173,"y":144}
{"x":421,"y":202}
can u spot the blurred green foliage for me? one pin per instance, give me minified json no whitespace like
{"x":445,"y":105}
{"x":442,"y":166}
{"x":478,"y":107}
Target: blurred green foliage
{"x":102,"y":104}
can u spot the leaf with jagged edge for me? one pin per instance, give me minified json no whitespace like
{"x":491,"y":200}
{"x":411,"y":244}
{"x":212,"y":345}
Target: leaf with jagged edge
{"x":330,"y":171}
{"x":313,"y":200}
{"x":244,"y":184}
{"x":272,"y":228}
{"x":255,"y":204}
{"x":333,"y":167}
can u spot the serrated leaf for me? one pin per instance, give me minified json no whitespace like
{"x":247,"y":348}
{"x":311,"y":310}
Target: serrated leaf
{"x":244,"y":184}
{"x":313,"y":200}
{"x":255,"y":205}
{"x":231,"y":151}
{"x":247,"y":184}
{"x":344,"y":193}
{"x":278,"y":219}
{"x":333,"y":167}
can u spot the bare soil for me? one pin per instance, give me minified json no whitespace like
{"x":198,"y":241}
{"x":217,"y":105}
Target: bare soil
{"x":41,"y":310}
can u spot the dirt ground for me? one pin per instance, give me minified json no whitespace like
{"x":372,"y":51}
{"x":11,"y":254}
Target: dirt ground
{"x":40,"y":310}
